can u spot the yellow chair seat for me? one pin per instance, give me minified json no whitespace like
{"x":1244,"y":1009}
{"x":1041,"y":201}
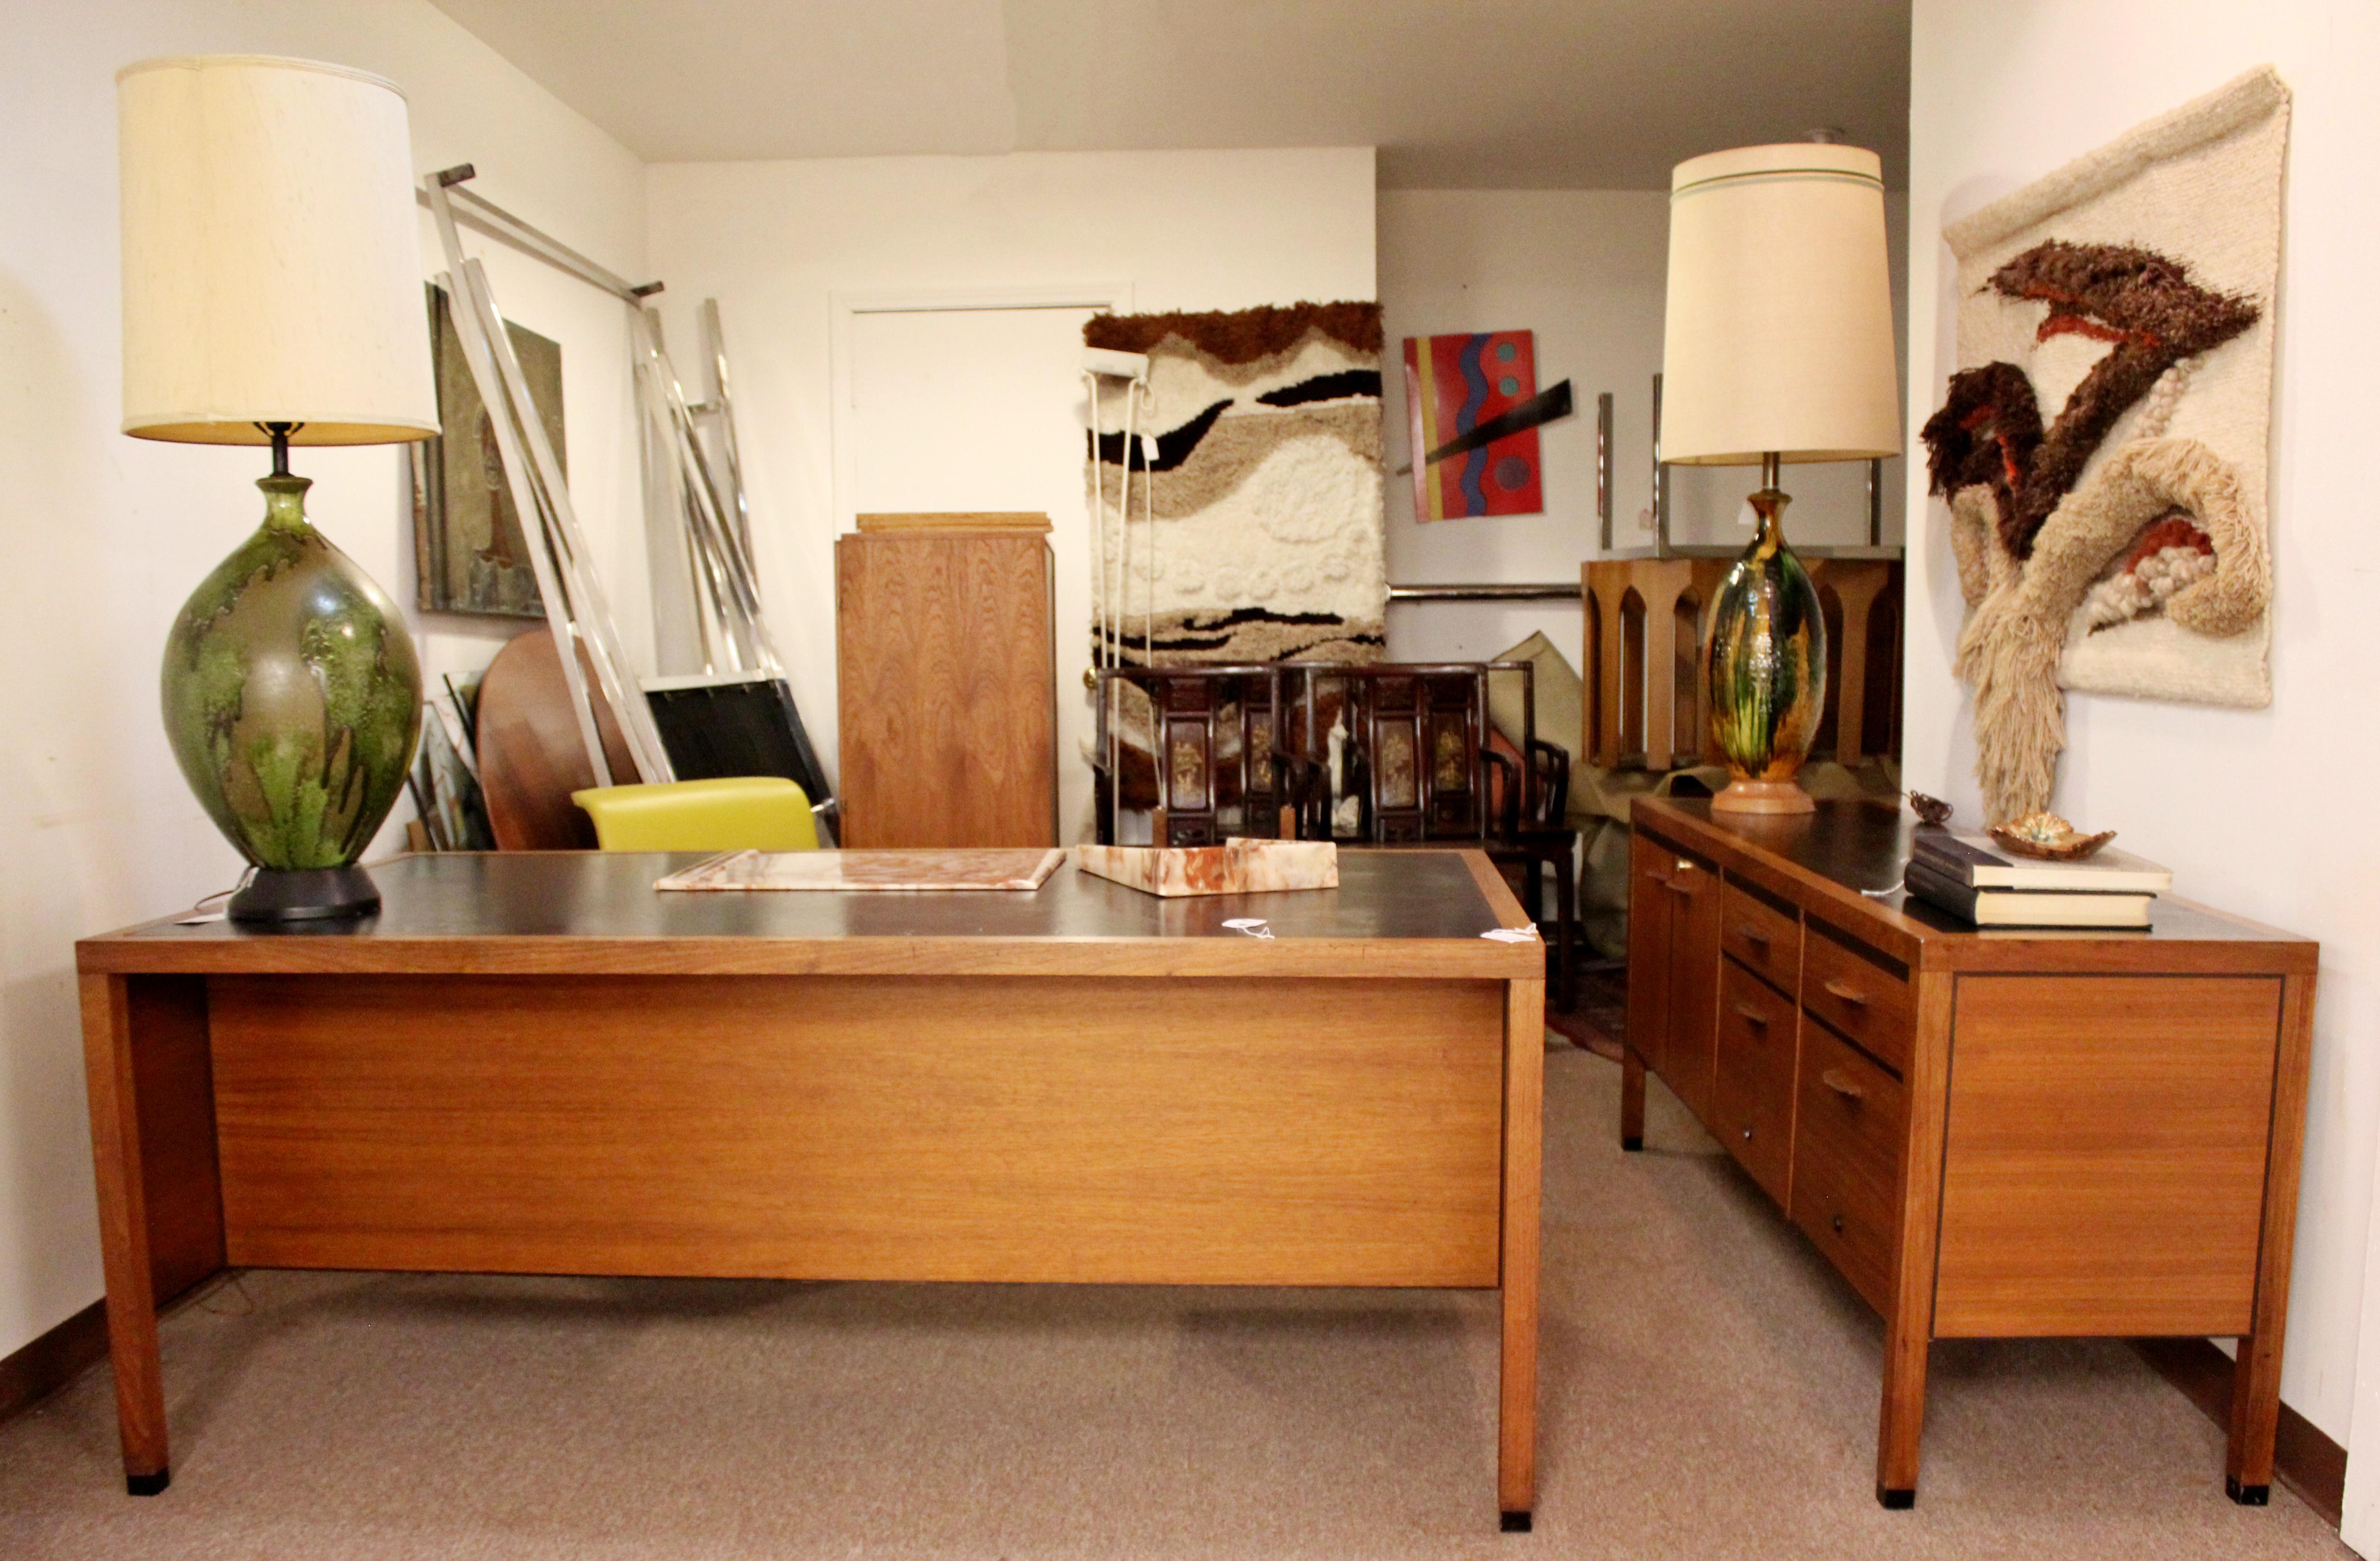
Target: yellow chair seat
{"x":743,"y":813}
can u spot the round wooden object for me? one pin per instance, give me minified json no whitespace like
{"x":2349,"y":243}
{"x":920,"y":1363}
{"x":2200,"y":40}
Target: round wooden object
{"x":532,"y":758}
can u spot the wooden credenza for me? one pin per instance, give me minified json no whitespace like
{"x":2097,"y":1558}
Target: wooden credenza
{"x":1989,"y":1133}
{"x":946,"y":681}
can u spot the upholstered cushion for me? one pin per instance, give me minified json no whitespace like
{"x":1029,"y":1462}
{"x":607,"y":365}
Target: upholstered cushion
{"x":1558,"y":697}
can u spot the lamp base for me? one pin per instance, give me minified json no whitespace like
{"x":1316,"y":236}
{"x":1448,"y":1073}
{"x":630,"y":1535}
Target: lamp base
{"x":1763,"y":796}
{"x":305,"y":894}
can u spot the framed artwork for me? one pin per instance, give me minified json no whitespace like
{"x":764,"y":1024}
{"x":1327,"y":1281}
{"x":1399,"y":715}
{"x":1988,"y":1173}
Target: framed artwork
{"x":1472,"y":411}
{"x":469,"y":552}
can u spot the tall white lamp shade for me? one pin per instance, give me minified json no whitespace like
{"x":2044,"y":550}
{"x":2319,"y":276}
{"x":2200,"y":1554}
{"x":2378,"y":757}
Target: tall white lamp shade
{"x":1779,"y":336}
{"x":272,"y":264}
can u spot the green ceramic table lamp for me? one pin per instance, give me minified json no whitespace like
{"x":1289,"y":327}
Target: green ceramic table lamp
{"x":272,"y":297}
{"x":1779,"y":349}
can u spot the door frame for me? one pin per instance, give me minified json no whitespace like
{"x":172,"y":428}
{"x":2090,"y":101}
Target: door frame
{"x":845,"y":306}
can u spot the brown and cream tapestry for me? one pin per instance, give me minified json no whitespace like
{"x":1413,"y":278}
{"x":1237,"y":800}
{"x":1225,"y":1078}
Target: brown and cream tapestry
{"x":2102,"y":442}
{"x":1255,"y":529}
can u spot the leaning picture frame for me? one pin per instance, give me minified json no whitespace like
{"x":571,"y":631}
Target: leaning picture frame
{"x":470,"y":554}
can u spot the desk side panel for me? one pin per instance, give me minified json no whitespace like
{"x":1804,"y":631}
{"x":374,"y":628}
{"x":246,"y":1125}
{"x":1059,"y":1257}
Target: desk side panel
{"x":901,"y":1128}
{"x":2106,"y":1162}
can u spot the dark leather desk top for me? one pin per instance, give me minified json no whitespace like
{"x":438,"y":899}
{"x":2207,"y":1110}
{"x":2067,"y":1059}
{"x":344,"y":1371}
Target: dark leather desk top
{"x":494,"y":911}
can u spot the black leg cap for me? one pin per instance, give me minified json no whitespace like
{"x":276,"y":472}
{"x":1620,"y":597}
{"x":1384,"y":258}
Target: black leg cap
{"x":2248,"y":1496}
{"x":146,"y":1484}
{"x":1631,"y":1144}
{"x":1895,"y":1501}
{"x":1515,"y":1523}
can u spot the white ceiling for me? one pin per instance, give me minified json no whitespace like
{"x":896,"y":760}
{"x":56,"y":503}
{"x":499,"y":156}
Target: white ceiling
{"x":1455,"y":94}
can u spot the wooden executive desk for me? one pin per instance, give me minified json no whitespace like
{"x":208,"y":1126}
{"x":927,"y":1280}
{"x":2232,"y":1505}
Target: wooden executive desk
{"x":536,"y":1063}
{"x":1991,"y":1134}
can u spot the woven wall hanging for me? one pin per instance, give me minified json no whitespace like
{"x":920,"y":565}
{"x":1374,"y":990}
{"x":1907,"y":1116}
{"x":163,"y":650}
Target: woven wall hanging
{"x":2103,"y":443}
{"x":1259,"y":472}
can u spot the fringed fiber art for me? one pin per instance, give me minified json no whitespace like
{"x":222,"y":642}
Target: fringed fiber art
{"x":2119,"y":546}
{"x":1262,"y":474}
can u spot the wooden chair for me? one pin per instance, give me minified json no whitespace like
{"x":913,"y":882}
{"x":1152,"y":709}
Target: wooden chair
{"x":1417,"y":757}
{"x":1199,"y":753}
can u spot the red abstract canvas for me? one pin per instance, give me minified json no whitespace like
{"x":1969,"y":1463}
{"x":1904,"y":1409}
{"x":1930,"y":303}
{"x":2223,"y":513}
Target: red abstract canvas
{"x":1456,"y":386}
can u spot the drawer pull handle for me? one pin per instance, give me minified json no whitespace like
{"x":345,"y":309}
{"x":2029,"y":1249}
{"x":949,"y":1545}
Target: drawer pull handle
{"x":1837,"y":1223}
{"x":1846,"y":991}
{"x":1842,"y":1083}
{"x":1751,"y":1015}
{"x":1674,"y":886}
{"x":1752,"y":934}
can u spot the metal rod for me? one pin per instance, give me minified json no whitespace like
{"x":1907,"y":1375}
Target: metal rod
{"x":1875,"y":503}
{"x":1603,"y":465}
{"x":497,"y":223}
{"x":723,"y":406}
{"x":1552,"y":591}
{"x":590,"y":609}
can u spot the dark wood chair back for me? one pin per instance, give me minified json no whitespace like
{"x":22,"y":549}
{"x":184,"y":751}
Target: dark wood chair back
{"x":1247,"y":750}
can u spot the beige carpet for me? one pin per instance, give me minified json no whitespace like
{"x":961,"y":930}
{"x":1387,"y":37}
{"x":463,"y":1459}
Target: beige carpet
{"x":1709,"y":1391}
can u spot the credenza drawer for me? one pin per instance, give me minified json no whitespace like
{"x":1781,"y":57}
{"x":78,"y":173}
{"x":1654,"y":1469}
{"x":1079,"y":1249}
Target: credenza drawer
{"x":1767,"y":940}
{"x":1848,"y":1141}
{"x":1863,"y":999}
{"x":1753,"y":1108}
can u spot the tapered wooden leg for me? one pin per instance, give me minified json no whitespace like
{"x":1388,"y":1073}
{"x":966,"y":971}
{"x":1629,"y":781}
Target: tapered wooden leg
{"x":1909,"y":1319}
{"x":1631,"y":1099}
{"x":1524,"y":1062}
{"x":1902,"y":1422}
{"x":124,"y":1231}
{"x":2256,"y":1379}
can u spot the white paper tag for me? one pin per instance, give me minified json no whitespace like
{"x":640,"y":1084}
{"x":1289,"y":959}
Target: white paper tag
{"x":1255,"y":926}
{"x":1512,"y":934}
{"x":200,"y":919}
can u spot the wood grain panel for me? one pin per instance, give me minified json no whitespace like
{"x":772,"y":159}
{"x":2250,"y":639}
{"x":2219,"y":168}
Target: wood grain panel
{"x":1753,"y":1102}
{"x":2104,"y":1163}
{"x":946,"y":674}
{"x":1767,"y":940}
{"x":1690,"y":1051}
{"x":174,"y":1092}
{"x":1163,"y":1131}
{"x":1850,"y":1123}
{"x":1858,"y":996}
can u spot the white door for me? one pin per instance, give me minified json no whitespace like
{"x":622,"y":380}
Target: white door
{"x":982,"y":409}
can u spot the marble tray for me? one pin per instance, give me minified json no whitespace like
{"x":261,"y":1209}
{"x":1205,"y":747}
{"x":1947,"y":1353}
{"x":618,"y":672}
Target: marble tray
{"x":1025,"y":869}
{"x":1237,"y":866}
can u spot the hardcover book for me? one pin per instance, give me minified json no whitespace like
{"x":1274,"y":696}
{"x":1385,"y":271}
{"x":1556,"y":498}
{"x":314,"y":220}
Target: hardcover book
{"x":1977,"y":862}
{"x":2010,"y":907}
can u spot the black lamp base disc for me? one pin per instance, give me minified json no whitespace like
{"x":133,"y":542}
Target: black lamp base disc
{"x":305,"y":894}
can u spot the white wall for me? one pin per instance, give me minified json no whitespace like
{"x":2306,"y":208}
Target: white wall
{"x":2261,"y":812}
{"x":775,"y":241}
{"x":104,"y":535}
{"x":1586,"y":271}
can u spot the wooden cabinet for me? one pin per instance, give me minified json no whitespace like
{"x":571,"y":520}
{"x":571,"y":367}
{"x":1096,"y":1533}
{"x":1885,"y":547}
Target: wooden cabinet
{"x":1673,"y":937}
{"x":946,"y":679}
{"x":1989,"y":1133}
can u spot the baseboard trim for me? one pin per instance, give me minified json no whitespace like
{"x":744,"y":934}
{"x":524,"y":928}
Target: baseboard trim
{"x":52,"y":1360}
{"x":2303,"y":1458}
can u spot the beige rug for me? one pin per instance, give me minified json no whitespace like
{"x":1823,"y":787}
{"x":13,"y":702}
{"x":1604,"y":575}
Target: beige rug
{"x":1709,"y":1391}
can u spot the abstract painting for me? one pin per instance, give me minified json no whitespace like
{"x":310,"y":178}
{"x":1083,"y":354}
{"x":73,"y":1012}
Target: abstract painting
{"x":469,"y":552}
{"x":1472,"y":413}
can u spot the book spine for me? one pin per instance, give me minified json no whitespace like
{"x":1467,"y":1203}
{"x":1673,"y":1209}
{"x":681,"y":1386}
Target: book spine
{"x":1947,"y":863}
{"x":1940,"y":889}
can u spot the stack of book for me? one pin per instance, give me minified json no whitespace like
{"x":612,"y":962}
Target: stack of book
{"x":1973,"y":878}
